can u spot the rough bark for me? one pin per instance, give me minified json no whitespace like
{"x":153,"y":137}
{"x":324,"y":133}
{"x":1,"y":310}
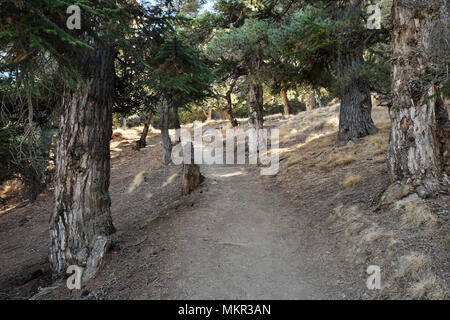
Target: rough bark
{"x":419,"y":141}
{"x":176,"y":123}
{"x":355,"y":118}
{"x":286,"y":106}
{"x":228,"y":111}
{"x":255,"y":95}
{"x":191,"y":177}
{"x":255,"y":103}
{"x":81,"y":221}
{"x":311,"y":102}
{"x":166,"y":143}
{"x":142,"y":142}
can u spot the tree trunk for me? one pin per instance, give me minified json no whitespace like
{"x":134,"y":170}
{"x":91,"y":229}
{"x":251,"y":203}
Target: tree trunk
{"x":286,"y":107}
{"x":176,"y":123}
{"x":355,"y":118}
{"x":318,"y":95}
{"x":166,"y":143}
{"x":419,"y":141}
{"x":192,"y":177}
{"x":142,"y":142}
{"x":255,"y":97}
{"x":176,"y":118}
{"x":311,"y":102}
{"x":228,"y":111}
{"x":207,"y":113}
{"x":81,"y":222}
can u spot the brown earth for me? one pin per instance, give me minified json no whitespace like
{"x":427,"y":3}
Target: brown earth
{"x":299,"y":235}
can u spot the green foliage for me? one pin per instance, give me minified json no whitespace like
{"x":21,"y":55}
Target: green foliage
{"x":182,"y":75}
{"x":25,"y":159}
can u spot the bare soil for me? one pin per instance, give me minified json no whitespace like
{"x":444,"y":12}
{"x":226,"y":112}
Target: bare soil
{"x":240,"y":235}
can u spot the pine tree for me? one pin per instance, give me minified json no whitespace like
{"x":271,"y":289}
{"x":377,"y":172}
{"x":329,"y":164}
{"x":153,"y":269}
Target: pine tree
{"x":182,"y":77}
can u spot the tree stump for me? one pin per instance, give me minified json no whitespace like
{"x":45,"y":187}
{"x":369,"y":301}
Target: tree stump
{"x":192,"y":177}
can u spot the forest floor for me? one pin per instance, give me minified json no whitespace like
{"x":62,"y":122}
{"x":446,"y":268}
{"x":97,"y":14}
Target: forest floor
{"x":309,"y":232}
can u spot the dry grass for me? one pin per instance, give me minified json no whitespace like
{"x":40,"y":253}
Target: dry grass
{"x":137,"y":181}
{"x":10,"y":188}
{"x":170,"y":180}
{"x":372,"y":238}
{"x":428,"y":287}
{"x":352,"y":180}
{"x":416,"y":268}
{"x":377,"y":235}
{"x":413,"y":265}
{"x":343,"y":160}
{"x":380,"y":159}
{"x":117,"y":136}
{"x":293,"y":159}
{"x":126,"y":134}
{"x":414,"y":213}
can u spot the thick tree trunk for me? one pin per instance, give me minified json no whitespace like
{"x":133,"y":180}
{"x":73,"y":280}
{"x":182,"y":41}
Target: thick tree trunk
{"x":286,"y":106}
{"x":419,"y":142}
{"x":228,"y":111}
{"x":355,"y":119}
{"x":166,"y":143}
{"x":142,"y":142}
{"x":255,"y":103}
{"x":81,"y":222}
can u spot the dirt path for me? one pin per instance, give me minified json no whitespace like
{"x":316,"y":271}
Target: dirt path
{"x":241,"y":242}
{"x":236,"y":237}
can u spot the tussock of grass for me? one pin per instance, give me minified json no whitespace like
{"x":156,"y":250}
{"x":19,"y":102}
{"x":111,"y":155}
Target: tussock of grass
{"x":376,"y":235}
{"x":380,"y":159}
{"x":10,"y":187}
{"x":427,"y":288}
{"x":342,"y":160}
{"x":293,"y":159}
{"x":413,"y":265}
{"x":117,"y":136}
{"x":137,"y":181}
{"x":352,"y":180}
{"x":414,"y":213}
{"x":169,"y":180}
{"x":416,"y":268}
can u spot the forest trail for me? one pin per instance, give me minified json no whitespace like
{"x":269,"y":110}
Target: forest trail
{"x":239,"y":243}
{"x":239,"y":236}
